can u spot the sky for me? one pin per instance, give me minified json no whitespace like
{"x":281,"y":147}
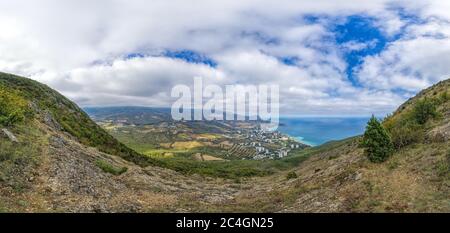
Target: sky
{"x":329,"y":57}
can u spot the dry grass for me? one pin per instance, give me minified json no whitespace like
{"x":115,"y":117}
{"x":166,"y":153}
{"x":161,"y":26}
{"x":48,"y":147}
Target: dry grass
{"x":206,"y":136}
{"x":186,"y":145}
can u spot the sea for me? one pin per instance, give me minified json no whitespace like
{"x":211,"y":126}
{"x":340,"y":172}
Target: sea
{"x":315,"y":131}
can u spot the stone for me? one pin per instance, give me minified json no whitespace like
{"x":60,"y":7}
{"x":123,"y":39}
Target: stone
{"x":10,"y":135}
{"x":358,"y":176}
{"x":439,"y":134}
{"x":50,"y":121}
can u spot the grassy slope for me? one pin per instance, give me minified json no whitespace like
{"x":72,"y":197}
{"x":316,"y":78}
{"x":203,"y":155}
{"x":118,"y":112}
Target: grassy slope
{"x":402,"y":124}
{"x":415,"y":179}
{"x":70,"y":117}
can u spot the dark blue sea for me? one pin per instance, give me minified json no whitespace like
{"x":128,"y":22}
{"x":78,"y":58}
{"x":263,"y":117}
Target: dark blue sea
{"x":318,"y":130}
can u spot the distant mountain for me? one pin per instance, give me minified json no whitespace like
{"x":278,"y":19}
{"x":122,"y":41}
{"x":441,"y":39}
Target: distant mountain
{"x":133,"y":115}
{"x":139,"y":115}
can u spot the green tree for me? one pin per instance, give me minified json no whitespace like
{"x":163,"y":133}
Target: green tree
{"x":424,"y":110}
{"x":376,"y":141}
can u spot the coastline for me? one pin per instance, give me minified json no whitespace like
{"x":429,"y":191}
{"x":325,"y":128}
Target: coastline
{"x":317,"y":131}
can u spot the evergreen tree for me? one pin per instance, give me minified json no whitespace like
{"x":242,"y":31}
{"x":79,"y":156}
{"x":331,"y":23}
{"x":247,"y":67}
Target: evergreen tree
{"x":376,"y":141}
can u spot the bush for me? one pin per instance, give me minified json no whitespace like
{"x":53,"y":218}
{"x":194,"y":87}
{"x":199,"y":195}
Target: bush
{"x":424,"y":110}
{"x":407,"y":127}
{"x":407,"y":133}
{"x":291,"y":175}
{"x":376,"y":141}
{"x":107,"y":167}
{"x":12,"y":107}
{"x":443,"y":97}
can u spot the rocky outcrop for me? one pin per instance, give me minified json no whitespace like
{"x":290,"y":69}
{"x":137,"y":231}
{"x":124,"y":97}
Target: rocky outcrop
{"x":440,"y":133}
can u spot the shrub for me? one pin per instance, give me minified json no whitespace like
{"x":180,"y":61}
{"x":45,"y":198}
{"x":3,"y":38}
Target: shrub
{"x":291,"y":175}
{"x":376,"y":141}
{"x":405,"y":134}
{"x":407,"y":127}
{"x":443,"y":97}
{"x":107,"y":167}
{"x":12,"y":107}
{"x":424,"y":110}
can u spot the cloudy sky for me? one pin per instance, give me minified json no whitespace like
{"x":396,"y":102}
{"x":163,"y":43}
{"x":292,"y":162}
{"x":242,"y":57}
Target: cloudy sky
{"x":330,"y":57}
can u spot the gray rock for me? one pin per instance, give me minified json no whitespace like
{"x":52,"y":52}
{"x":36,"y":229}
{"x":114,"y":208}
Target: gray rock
{"x":10,"y":135}
{"x":34,"y":108}
{"x":358,"y":176}
{"x":58,"y":141}
{"x":48,"y":120}
{"x":440,"y":133}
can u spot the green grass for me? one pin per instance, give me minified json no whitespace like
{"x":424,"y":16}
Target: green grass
{"x":109,"y":168}
{"x":231,"y":169}
{"x":18,"y":160}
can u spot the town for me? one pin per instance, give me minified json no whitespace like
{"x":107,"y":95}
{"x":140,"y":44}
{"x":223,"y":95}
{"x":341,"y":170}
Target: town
{"x":257,"y":143}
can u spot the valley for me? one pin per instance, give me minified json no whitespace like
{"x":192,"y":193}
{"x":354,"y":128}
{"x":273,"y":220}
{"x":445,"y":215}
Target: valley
{"x":153,"y":132}
{"x":228,"y":149}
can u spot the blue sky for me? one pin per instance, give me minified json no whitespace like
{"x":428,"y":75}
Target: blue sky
{"x":359,"y":29}
{"x":190,"y":56}
{"x":350,"y":58}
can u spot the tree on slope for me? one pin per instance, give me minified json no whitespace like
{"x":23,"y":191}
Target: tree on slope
{"x":376,"y":141}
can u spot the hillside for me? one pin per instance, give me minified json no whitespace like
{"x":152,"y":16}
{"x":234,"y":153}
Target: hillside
{"x":53,"y":158}
{"x":56,"y":110}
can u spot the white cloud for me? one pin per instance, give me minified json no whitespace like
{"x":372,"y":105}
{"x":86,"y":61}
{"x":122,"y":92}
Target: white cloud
{"x":63,"y":44}
{"x":137,"y":81}
{"x":413,"y":63}
{"x":358,"y":46}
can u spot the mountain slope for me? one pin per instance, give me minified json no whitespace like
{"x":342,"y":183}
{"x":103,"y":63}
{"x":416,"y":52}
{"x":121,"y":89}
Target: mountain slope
{"x":55,"y":109}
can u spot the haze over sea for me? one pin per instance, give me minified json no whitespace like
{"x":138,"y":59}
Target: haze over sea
{"x":318,"y":130}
